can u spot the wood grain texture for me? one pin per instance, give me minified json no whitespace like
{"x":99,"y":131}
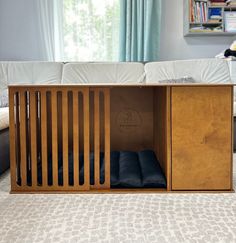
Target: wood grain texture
{"x":54,"y":138}
{"x":65,"y":138}
{"x":168,"y":140}
{"x":44,"y":138}
{"x":107,"y":131}
{"x":201,"y":138}
{"x":17,"y":117}
{"x":96,"y":139}
{"x":86,"y":139}
{"x":161,"y":134}
{"x":100,"y":135}
{"x":76,"y":121}
{"x":33,"y":138}
{"x":23,"y":153}
{"x":131,"y":118}
{"x":12,"y":131}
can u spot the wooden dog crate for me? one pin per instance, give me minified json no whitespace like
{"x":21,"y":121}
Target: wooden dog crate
{"x":53,"y":128}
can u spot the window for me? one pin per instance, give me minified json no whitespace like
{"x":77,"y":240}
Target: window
{"x":91,"y":30}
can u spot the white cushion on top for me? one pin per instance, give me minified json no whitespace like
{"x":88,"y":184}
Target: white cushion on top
{"x":3,"y":76}
{"x":201,"y":70}
{"x":4,"y":118}
{"x":103,"y":73}
{"x":34,"y":72}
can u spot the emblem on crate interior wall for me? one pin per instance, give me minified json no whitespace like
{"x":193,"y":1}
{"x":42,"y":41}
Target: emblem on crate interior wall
{"x":129,"y":120}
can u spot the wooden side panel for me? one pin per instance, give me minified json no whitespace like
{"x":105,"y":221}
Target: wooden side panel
{"x":131,"y":118}
{"x":201,"y":138}
{"x":161,"y":126}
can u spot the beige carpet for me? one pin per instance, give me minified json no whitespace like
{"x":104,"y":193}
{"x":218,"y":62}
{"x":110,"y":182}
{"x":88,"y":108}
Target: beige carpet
{"x":117,"y":218}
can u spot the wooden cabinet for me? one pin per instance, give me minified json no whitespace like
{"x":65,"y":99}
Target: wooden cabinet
{"x":56,"y":130}
{"x":201,"y":138}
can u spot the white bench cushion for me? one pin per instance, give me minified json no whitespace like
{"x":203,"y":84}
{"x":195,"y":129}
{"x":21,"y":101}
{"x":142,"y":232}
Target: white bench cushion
{"x":3,"y":76}
{"x":201,"y":70}
{"x":4,"y":118}
{"x":34,"y":72}
{"x":3,"y":84}
{"x":103,"y":73}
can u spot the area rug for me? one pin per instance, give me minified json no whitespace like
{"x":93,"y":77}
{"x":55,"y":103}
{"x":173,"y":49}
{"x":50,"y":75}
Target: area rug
{"x":201,"y":217}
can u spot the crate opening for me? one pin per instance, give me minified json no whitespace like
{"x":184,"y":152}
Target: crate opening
{"x":92,"y":139}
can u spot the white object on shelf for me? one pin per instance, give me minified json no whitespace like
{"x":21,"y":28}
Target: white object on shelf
{"x":230,"y":21}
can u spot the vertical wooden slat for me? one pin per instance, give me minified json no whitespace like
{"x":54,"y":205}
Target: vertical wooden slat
{"x":65,"y":137}
{"x":107,"y":137}
{"x":23,"y":139}
{"x":168,"y":137}
{"x":33,"y":138}
{"x":54,"y":138}
{"x":76,"y":137}
{"x":17,"y":127}
{"x":38,"y":124}
{"x":86,"y":138}
{"x":12,"y":127}
{"x":44,"y":138}
{"x":96,"y":139}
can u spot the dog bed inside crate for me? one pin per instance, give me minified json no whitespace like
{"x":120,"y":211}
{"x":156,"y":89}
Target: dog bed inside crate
{"x":128,"y":170}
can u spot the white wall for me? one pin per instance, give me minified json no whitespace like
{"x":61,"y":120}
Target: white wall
{"x":174,"y":46}
{"x":19,"y":37}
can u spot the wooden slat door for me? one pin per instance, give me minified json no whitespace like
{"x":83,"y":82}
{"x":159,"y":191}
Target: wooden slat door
{"x":201,"y":138}
{"x":50,"y":138}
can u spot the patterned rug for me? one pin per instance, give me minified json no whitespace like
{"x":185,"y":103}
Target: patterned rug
{"x":117,"y":218}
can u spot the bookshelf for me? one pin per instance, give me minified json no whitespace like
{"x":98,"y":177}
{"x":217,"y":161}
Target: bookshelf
{"x":202,"y":18}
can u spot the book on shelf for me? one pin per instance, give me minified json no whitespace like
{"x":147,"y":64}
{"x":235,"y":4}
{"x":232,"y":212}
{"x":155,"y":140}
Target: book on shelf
{"x":198,"y":11}
{"x":206,"y":29}
{"x":217,"y":2}
{"x":215,"y":15}
{"x":223,"y":3}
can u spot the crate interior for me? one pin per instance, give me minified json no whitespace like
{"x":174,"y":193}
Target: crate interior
{"x":126,"y":127}
{"x":138,"y":132}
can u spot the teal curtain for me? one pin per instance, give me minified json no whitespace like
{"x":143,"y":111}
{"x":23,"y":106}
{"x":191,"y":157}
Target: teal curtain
{"x":140,"y":23}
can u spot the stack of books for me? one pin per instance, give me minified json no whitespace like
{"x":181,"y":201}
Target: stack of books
{"x":222,"y":3}
{"x":199,"y":12}
{"x":215,"y":15}
{"x":218,"y":3}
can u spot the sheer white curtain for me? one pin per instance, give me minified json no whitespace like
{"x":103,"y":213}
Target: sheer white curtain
{"x":91,"y":30}
{"x":79,"y":30}
{"x":50,"y":14}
